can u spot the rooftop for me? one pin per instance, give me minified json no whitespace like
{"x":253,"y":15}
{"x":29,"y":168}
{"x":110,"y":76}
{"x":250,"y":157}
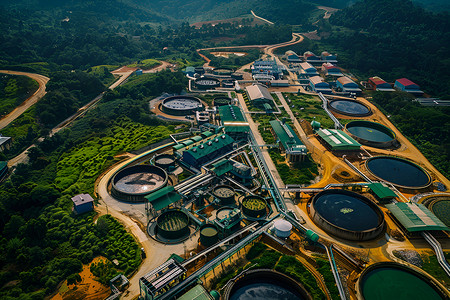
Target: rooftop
{"x":198,"y":292}
{"x":231,"y":113}
{"x":382,"y":191}
{"x":221,"y":167}
{"x":306,"y":66}
{"x":82,"y":199}
{"x":163,"y":197}
{"x":211,"y":146}
{"x":287,"y":137}
{"x":345,"y":80}
{"x":406,"y":82}
{"x":377,"y":80}
{"x":316,"y":79}
{"x":338,"y":140}
{"x":257,"y":91}
{"x":416,"y":217}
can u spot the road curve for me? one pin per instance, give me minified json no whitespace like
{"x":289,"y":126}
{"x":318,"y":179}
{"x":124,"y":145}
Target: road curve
{"x":41,"y":80}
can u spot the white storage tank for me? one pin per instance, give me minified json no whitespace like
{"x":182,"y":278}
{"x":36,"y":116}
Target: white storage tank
{"x":282,"y":228}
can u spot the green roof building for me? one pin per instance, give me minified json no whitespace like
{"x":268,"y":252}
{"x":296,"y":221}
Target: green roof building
{"x":208,"y":150}
{"x":337,"y":140}
{"x":162,"y":198}
{"x":234,"y":122}
{"x":415,"y":217}
{"x":198,"y":292}
{"x":381,"y":191}
{"x":289,"y":142}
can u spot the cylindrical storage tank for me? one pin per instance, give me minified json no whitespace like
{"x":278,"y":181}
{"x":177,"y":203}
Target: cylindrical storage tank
{"x":181,"y":105}
{"x":254,"y":206}
{"x":372,"y":134}
{"x":221,"y":101}
{"x":398,"y":171}
{"x":209,"y":235}
{"x":282,"y":228}
{"x":132,"y":184}
{"x":223,"y":71}
{"x":389,"y":280}
{"x":264,"y":284}
{"x":225,"y":194}
{"x":351,"y":108}
{"x":347,"y":215}
{"x":172,"y":224}
{"x":205,"y":83}
{"x":164,"y":161}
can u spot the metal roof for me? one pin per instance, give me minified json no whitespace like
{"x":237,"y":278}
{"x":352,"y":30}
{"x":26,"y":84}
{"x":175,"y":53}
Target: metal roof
{"x":211,"y":146}
{"x":231,"y":113}
{"x":288,"y":138}
{"x":162,"y":276}
{"x":406,"y":82}
{"x":82,"y":199}
{"x":382,"y":191}
{"x":316,"y":79}
{"x":307,"y":66}
{"x":256,"y":92}
{"x":4,"y":139}
{"x":416,"y":217}
{"x":338,"y":140}
{"x":221,"y":167}
{"x":163,"y":197}
{"x":345,"y":80}
{"x":198,"y":292}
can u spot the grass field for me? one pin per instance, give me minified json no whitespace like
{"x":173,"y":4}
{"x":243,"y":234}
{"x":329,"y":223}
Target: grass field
{"x":307,"y":107}
{"x":145,"y":64}
{"x":14,"y":90}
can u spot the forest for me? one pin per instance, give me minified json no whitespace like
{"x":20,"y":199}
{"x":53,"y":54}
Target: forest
{"x":42,"y":242}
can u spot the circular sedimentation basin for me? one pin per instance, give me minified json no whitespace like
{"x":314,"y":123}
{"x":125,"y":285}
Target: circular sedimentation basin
{"x":400,"y":172}
{"x":392,"y":281}
{"x":173,"y":224}
{"x":264,"y":285}
{"x":347,"y":215}
{"x":371,"y":133}
{"x":441,"y":208}
{"x":132,"y":183}
{"x":350,"y":108}
{"x":181,"y":105}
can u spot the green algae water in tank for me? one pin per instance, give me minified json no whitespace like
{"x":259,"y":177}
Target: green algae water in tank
{"x":208,"y":235}
{"x":391,"y":281}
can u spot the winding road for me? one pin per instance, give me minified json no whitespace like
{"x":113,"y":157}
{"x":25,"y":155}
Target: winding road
{"x":41,"y":80}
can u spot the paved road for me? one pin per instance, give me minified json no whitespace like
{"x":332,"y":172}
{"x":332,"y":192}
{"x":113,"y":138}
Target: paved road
{"x":41,"y":80}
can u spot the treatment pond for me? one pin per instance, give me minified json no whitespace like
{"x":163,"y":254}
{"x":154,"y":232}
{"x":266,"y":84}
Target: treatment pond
{"x":350,"y":108}
{"x":372,"y":134}
{"x":264,"y":285}
{"x":399,"y":172}
{"x":347,"y":215}
{"x":391,"y":281}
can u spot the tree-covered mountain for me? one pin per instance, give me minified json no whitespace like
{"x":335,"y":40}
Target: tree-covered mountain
{"x":394,"y":39}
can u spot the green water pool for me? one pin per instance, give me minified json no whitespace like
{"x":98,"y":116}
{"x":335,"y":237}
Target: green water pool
{"x":394,"y":283}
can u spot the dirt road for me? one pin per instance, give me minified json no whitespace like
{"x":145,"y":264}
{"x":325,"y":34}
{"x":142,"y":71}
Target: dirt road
{"x":41,"y":80}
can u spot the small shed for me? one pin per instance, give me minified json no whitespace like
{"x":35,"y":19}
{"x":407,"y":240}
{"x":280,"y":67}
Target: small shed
{"x":381,"y":191}
{"x":82,"y":203}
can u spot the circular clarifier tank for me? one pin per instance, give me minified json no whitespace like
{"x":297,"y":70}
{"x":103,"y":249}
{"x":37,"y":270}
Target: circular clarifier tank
{"x":254,"y":206}
{"x":263,"y":285}
{"x":209,"y":235}
{"x":225,"y":194}
{"x":400,"y":172}
{"x":181,"y":105}
{"x":165,"y":161}
{"x":372,"y":134}
{"x":205,"y":83}
{"x":350,"y":108}
{"x":391,"y":281}
{"x":172,"y":224}
{"x":347,"y":215}
{"x":440,"y":206}
{"x":134,"y":183}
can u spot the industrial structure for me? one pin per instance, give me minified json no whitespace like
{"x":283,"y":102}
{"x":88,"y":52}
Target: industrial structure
{"x":234,"y":122}
{"x":308,"y":69}
{"x":380,"y":85}
{"x":289,"y":142}
{"x":259,"y":95}
{"x":82,"y":203}
{"x":317,"y":84}
{"x":267,"y":67}
{"x":408,"y":86}
{"x":337,"y":140}
{"x":181,"y":105}
{"x":347,"y":85}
